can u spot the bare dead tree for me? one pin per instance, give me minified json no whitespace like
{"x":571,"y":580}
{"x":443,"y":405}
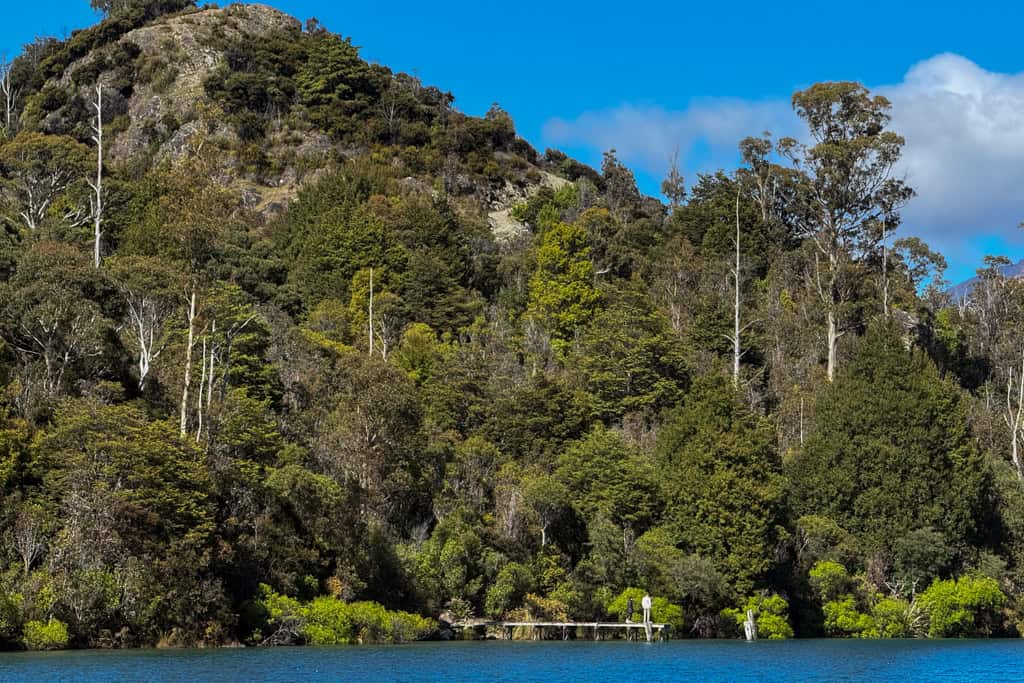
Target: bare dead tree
{"x":738,"y":327}
{"x":58,"y":336}
{"x":29,"y":536}
{"x":192,"y":315}
{"x":202,"y":388}
{"x":40,"y":191}
{"x":97,"y":186}
{"x":371,"y":312}
{"x":9,"y":94}
{"x":147,"y":318}
{"x":674,"y":185}
{"x":390,"y":106}
{"x":388,"y":329}
{"x":227,"y":345}
{"x":885,"y":270}
{"x":1014,"y":413}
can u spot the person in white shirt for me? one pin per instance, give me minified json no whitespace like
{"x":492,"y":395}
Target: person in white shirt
{"x":646,"y":604}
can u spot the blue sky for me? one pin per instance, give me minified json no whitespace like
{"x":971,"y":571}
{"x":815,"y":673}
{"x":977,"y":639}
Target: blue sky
{"x":649,"y":77}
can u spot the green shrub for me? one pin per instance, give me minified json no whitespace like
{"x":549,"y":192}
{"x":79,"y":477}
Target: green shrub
{"x":771,"y":613}
{"x":513,"y":583}
{"x":830,"y":580}
{"x":891,"y":619}
{"x":326,"y":620}
{"x":537,"y":608}
{"x":662,"y":611}
{"x":962,"y":608}
{"x":843,"y":619}
{"x":53,"y":635}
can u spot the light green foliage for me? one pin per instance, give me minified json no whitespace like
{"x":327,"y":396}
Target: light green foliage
{"x":843,"y":618}
{"x":419,"y":352}
{"x":830,"y":580}
{"x":330,"y":621}
{"x":51,"y":635}
{"x":562,"y":294}
{"x":662,"y":610}
{"x":892,"y":618}
{"x":327,"y":620}
{"x":771,"y":613}
{"x":888,"y":618}
{"x":514,"y":581}
{"x":852,"y":609}
{"x":962,"y":608}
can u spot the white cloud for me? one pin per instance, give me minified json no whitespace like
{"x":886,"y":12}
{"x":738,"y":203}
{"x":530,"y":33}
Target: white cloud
{"x":964,"y":128}
{"x":706,"y":133}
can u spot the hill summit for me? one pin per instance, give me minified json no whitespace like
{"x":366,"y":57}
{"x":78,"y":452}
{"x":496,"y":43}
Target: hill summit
{"x":279,"y":99}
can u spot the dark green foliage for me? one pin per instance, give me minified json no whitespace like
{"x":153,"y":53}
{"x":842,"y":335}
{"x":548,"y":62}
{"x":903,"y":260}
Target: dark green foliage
{"x":428,"y":372}
{"x":629,"y":360}
{"x":891,"y":452}
{"x":723,"y":482}
{"x":605,"y":477}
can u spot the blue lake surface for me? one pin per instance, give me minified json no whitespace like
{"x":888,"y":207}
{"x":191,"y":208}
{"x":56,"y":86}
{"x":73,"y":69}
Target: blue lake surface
{"x":797,"y":660}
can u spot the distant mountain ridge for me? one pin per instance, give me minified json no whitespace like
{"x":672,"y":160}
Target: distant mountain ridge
{"x":1014,"y":270}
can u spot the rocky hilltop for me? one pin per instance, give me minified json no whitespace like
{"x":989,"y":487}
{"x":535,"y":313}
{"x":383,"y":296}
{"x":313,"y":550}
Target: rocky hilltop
{"x":281,"y":101}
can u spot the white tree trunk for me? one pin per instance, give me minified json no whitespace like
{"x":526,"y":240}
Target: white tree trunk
{"x":188,"y":362}
{"x":146,"y":319}
{"x":885,"y":274}
{"x":199,"y":403}
{"x":833,"y":343}
{"x":97,"y":208}
{"x":1014,"y":416}
{"x":736,"y":353}
{"x":9,"y":95}
{"x":371,"y":312}
{"x":209,"y":377}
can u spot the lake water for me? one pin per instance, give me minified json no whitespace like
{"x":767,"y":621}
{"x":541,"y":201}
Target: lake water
{"x":705,"y":661}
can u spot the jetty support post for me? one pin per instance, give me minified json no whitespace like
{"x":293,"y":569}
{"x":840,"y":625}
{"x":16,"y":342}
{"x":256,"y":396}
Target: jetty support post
{"x":750,"y":626}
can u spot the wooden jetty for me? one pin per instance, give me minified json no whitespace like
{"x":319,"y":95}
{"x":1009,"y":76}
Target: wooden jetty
{"x":565,"y":630}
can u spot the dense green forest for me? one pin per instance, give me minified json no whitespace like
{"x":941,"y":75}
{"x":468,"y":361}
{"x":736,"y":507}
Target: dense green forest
{"x":291,"y":350}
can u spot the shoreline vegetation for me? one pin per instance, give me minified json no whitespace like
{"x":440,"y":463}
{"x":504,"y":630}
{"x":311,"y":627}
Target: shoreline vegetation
{"x":293,"y":351}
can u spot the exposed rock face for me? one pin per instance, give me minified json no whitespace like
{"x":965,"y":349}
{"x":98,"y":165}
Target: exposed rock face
{"x":158,"y":107}
{"x":190,"y":46}
{"x":504,"y":227}
{"x":165,"y":116}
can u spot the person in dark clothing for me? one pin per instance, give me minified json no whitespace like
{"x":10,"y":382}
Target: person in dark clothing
{"x":629,"y":611}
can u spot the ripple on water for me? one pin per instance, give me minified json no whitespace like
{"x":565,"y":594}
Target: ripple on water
{"x":908,"y":661}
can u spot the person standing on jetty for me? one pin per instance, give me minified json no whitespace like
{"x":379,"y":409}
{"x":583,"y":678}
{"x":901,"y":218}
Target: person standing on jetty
{"x":629,"y":611}
{"x":646,"y":604}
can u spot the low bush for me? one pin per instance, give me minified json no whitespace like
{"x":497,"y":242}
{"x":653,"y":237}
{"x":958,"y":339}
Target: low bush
{"x":52,"y":635}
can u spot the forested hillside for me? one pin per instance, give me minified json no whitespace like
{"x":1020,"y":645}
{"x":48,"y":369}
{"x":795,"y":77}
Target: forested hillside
{"x":288,"y":345}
